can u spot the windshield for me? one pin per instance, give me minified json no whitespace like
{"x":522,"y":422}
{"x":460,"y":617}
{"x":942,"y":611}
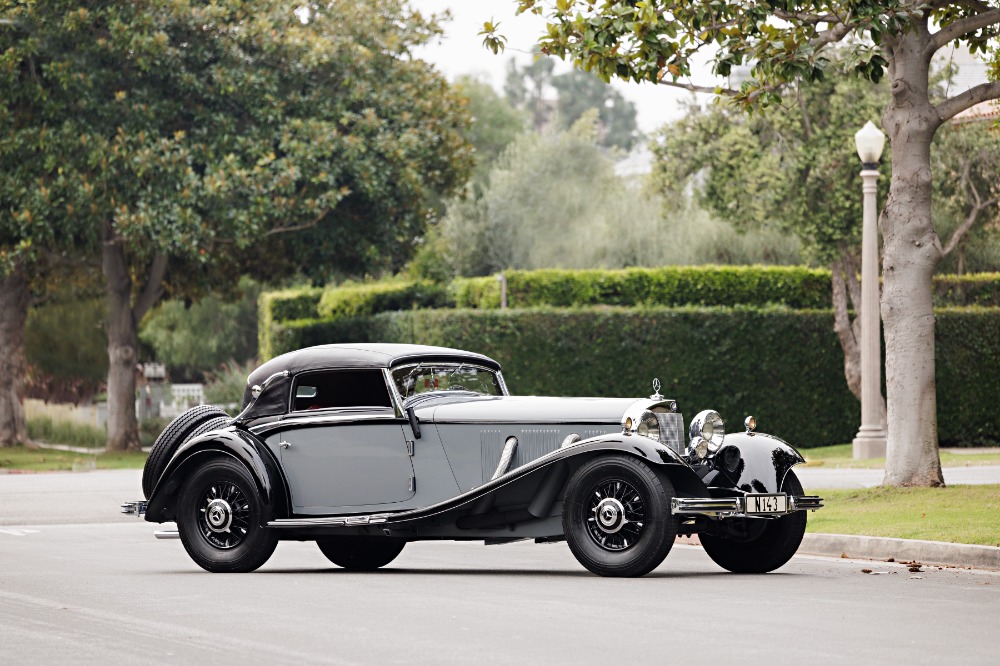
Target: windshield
{"x":423,"y":377}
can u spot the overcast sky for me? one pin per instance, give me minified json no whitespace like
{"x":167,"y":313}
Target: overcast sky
{"x":462,"y":52}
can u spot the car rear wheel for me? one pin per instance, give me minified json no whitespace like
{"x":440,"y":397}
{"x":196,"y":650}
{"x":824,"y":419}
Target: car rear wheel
{"x":222,"y":520}
{"x":617,"y":516}
{"x":179,"y":431}
{"x":361,"y":553}
{"x":767,"y":544}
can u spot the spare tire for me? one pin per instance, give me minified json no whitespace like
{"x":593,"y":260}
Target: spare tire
{"x":179,"y":431}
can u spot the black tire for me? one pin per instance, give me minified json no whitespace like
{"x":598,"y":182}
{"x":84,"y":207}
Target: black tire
{"x":361,"y":553}
{"x":175,"y":434}
{"x":772,"y":544}
{"x":221,"y":519}
{"x":616,"y":516}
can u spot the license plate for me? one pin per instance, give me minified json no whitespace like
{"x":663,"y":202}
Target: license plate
{"x":767,"y":503}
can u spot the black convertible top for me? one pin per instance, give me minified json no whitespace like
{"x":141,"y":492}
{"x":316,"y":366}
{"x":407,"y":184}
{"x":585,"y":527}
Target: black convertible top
{"x":352,"y":355}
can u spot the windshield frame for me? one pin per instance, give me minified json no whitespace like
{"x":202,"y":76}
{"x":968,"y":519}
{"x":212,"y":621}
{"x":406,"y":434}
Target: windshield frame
{"x":453,"y":365}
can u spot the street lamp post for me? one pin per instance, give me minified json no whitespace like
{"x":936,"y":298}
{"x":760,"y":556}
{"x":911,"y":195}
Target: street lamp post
{"x":870,"y":440}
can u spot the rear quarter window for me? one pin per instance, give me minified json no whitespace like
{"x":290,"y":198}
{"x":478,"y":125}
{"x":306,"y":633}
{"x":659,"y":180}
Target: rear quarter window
{"x":340,"y":388}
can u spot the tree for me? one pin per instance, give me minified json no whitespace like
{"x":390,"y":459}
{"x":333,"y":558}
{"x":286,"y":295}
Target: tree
{"x":576,"y":92}
{"x":196,"y":338}
{"x":582,"y":91}
{"x":187,"y":138}
{"x":793,"y":169}
{"x":532,"y":213}
{"x":966,"y":162}
{"x":784,"y":42}
{"x":495,"y":124}
{"x":526,"y":88}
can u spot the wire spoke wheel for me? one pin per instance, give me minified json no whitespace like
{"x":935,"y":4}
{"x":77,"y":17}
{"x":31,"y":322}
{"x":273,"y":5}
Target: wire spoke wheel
{"x":615,"y":515}
{"x":222,"y":520}
{"x":225,"y":515}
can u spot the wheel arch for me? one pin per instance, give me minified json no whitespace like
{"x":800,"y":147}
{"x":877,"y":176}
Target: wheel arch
{"x":232,"y":443}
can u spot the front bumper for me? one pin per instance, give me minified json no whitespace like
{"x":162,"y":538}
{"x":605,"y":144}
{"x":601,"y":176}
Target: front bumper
{"x":734,"y":507}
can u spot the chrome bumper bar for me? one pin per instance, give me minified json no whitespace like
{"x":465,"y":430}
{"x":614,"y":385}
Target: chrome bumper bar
{"x":736,"y":506}
{"x":136,"y":508}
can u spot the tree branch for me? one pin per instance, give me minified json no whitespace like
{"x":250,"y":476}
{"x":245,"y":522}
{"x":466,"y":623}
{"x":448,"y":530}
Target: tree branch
{"x":832,"y":35}
{"x":954,"y":105}
{"x":153,"y":289}
{"x":805,"y":17}
{"x":729,"y":92}
{"x":299,"y":227}
{"x":953,"y":31}
{"x":965,"y":227}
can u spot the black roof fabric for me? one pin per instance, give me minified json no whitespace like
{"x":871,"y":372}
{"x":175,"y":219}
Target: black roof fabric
{"x":371,"y":355}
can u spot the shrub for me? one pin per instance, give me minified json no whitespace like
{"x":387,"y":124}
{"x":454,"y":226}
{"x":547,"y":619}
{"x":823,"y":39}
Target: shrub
{"x":364,"y":299}
{"x":784,"y":366}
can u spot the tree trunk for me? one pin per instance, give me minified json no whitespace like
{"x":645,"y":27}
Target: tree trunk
{"x":123,"y":347}
{"x":912,"y":252}
{"x":15,"y":297}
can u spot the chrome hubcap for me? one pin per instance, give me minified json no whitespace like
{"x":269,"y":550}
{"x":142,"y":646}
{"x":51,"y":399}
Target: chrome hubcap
{"x":615,"y":515}
{"x":610,"y":515}
{"x":219,"y":515}
{"x":224,"y":515}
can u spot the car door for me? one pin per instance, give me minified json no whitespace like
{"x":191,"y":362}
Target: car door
{"x":342,"y":447}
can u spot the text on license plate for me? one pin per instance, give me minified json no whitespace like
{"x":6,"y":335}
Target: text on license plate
{"x":767,"y":503}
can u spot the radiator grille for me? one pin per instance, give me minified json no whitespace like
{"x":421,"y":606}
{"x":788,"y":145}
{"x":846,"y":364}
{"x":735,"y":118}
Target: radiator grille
{"x":672,"y":430}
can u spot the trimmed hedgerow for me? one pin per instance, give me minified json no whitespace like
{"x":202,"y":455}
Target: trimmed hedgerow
{"x":794,"y":286}
{"x":782,"y":365}
{"x":281,"y":306}
{"x":374,"y":297}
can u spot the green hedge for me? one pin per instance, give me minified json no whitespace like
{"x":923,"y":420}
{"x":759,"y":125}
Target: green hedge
{"x":282,"y":306}
{"x":784,"y":366}
{"x":794,"y":286}
{"x":374,"y":297}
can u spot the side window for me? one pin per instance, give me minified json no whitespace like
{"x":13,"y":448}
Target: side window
{"x":341,"y":388}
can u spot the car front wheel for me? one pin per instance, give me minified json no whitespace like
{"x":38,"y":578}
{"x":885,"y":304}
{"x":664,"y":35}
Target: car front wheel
{"x":222,"y":520}
{"x":617,"y":516}
{"x":361,"y":553}
{"x":763,"y":544}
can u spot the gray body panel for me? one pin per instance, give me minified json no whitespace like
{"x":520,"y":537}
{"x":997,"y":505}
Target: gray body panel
{"x":473,"y":432}
{"x":364,"y":463}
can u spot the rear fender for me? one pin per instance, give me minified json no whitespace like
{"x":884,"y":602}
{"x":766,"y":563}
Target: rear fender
{"x":231,"y":442}
{"x":763,"y":462}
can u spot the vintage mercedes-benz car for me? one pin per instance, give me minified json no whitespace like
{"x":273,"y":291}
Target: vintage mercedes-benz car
{"x":365,"y":447}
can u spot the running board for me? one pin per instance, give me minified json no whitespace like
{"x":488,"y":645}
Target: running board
{"x":329,"y":521}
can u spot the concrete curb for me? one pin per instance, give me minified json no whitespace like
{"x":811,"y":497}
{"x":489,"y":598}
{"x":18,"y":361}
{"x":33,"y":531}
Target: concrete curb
{"x":901,"y":550}
{"x":884,"y":548}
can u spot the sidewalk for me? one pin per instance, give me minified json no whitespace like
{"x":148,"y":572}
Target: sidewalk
{"x":824,"y":477}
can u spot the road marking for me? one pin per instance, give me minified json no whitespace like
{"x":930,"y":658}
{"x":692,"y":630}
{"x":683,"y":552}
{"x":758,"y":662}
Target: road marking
{"x":12,"y":532}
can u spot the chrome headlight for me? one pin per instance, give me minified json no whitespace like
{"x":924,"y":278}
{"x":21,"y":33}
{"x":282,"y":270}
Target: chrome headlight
{"x":648,"y":426}
{"x":707,"y":426}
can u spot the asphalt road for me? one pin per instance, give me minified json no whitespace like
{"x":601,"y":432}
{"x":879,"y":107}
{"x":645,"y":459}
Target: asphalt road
{"x":107,"y":592}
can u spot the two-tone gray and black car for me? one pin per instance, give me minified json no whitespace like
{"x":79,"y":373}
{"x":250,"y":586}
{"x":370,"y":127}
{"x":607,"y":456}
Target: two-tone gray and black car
{"x":363,"y":448}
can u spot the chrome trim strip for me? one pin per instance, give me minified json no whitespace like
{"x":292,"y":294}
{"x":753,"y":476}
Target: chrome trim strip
{"x":167,"y":534}
{"x":509,"y":449}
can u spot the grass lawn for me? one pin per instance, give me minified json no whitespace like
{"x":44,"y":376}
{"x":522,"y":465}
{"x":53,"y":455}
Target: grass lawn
{"x":839,"y":455}
{"x":960,"y":514}
{"x":49,"y":460}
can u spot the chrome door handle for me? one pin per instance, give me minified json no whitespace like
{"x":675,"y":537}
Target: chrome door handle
{"x":284,"y":445}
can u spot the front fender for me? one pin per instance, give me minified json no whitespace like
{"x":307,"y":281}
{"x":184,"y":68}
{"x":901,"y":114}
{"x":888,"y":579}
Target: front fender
{"x":763,"y":462}
{"x":233,"y":442}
